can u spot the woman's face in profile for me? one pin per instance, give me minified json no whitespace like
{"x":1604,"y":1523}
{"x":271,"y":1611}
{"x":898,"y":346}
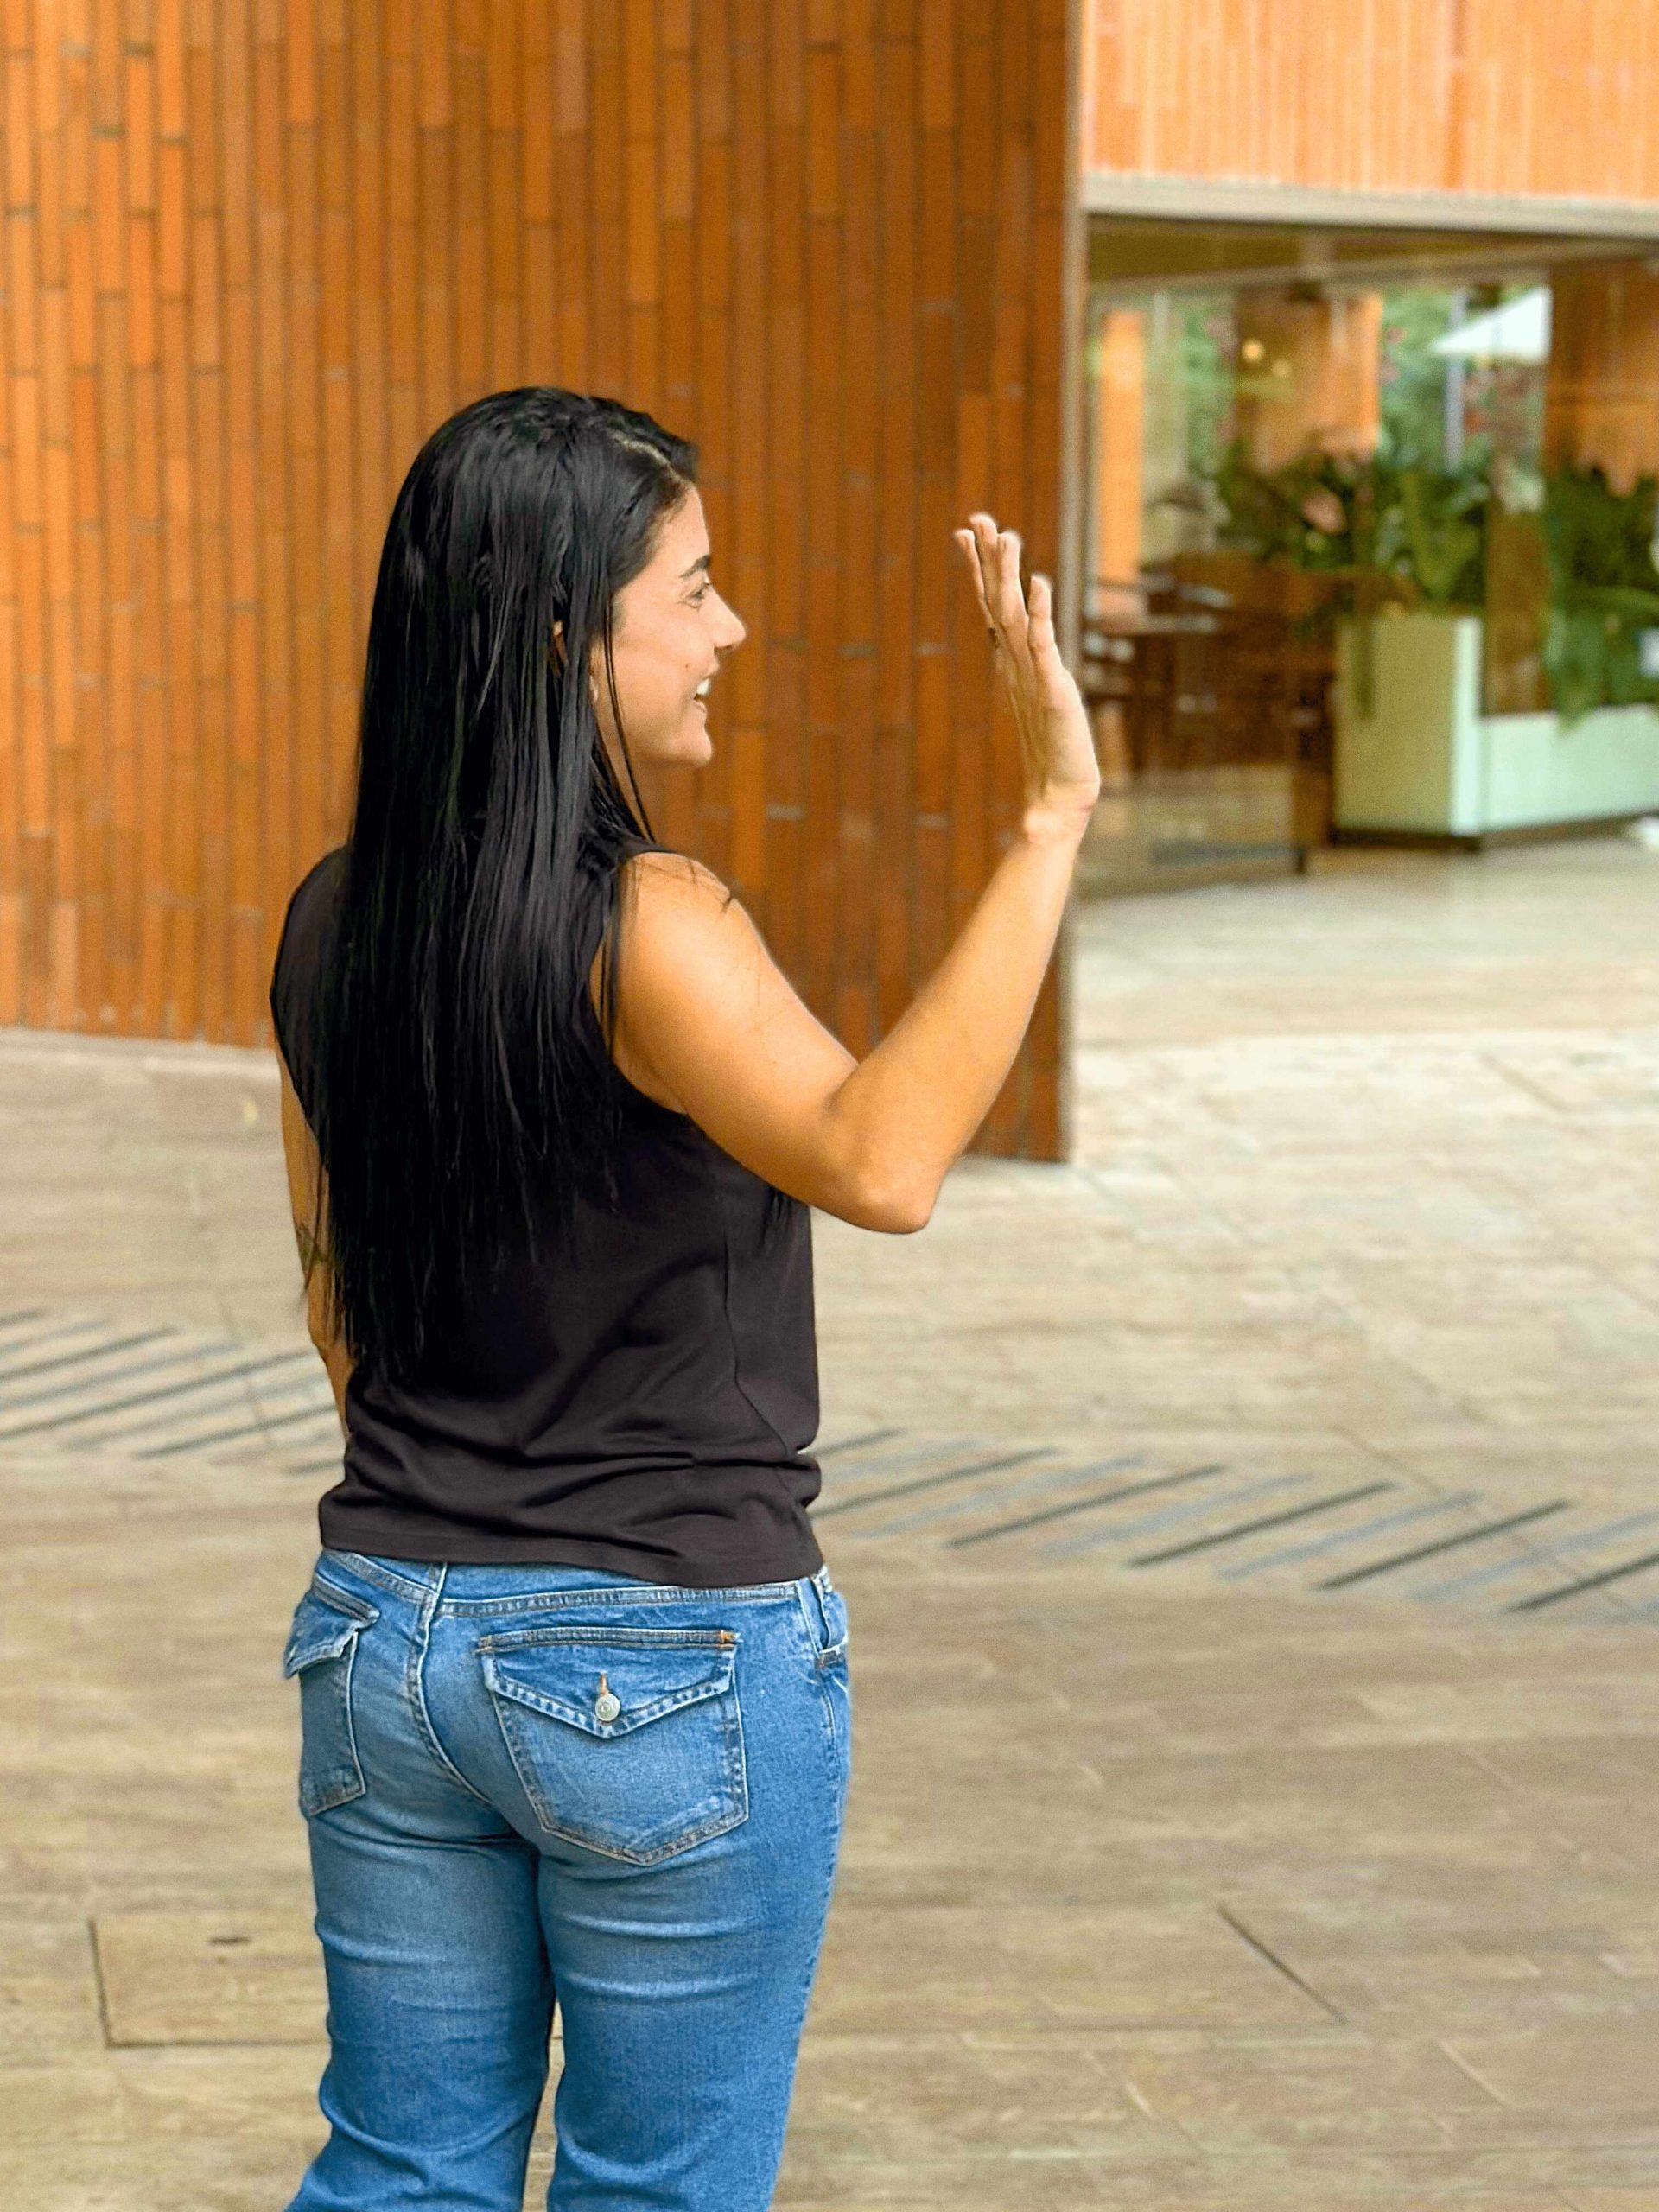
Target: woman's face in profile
{"x":670,"y":627}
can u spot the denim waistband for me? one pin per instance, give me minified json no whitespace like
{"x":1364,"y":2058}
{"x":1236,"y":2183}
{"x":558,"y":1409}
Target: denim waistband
{"x":464,"y":1588}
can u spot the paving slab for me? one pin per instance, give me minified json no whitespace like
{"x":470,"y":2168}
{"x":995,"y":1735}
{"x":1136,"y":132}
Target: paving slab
{"x":1180,"y":1871}
{"x":170,"y":1979}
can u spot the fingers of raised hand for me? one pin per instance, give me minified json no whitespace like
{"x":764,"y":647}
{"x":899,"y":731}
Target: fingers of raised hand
{"x":970,"y":544}
{"x":997,"y":554}
{"x":1010,"y":600}
{"x":983,"y":537}
{"x":1046,"y":663}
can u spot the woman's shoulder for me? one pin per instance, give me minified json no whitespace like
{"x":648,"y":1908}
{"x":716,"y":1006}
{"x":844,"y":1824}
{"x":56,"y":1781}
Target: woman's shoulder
{"x":670,"y":902}
{"x":672,"y":881}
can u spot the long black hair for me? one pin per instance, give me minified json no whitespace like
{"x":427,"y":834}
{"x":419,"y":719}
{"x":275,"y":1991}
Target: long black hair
{"x":461,"y":1097}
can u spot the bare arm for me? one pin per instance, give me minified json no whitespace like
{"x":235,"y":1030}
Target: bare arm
{"x":304,"y":1173}
{"x":708,"y":1019}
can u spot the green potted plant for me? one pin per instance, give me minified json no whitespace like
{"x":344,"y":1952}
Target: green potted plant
{"x":1374,"y":533}
{"x":1603,"y":589}
{"x":1421,"y":753}
{"x":1398,"y":554}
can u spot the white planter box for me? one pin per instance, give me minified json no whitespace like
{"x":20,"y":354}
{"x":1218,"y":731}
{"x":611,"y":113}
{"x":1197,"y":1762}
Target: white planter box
{"x":1426,"y":762}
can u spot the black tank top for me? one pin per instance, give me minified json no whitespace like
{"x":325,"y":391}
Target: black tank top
{"x":644,"y":1408}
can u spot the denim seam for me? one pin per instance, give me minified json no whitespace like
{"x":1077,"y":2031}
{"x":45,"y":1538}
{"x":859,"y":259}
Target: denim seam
{"x":503,"y":1684}
{"x":649,"y":1594}
{"x":399,"y":1584}
{"x":415,"y":1689}
{"x":837,"y":1825}
{"x":554,"y":1635}
{"x":837,"y":1649}
{"x":823,"y":1651}
{"x":816,"y":1631}
{"x":344,"y":1601}
{"x":814,"y":1636}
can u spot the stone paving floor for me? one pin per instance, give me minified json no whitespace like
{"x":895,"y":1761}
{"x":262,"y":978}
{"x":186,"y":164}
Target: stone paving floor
{"x":1172,"y":1885}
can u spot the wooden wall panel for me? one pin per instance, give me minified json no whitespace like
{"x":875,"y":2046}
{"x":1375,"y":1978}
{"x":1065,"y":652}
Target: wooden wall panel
{"x":1308,"y":374}
{"x":255,"y":249}
{"x":1118,"y":457}
{"x":1483,"y":96}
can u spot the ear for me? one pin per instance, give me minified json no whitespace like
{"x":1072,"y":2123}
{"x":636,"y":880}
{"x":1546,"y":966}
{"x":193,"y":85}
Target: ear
{"x":558,"y":644}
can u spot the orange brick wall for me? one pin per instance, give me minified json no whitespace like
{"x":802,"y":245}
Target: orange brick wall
{"x":1486,"y":96}
{"x":256,"y":248}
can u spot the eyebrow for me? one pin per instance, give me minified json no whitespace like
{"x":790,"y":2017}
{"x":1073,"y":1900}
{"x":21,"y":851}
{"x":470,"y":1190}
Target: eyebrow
{"x":696,"y":565}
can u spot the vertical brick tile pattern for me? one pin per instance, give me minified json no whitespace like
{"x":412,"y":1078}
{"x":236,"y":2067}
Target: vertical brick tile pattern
{"x":254,"y":252}
{"x":1487,"y":96}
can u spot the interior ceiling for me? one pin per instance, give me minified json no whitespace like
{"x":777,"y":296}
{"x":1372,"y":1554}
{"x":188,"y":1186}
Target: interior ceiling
{"x":1130,"y":252}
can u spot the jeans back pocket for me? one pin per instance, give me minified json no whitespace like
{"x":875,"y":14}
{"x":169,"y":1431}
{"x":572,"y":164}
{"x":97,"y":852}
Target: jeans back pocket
{"x":628,"y":1741}
{"x":321,"y":1649}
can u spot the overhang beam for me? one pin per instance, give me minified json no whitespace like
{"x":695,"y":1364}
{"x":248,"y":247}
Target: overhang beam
{"x":1213,"y":199}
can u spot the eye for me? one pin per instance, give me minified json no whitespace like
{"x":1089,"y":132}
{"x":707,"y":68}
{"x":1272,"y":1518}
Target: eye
{"x":696,"y":597}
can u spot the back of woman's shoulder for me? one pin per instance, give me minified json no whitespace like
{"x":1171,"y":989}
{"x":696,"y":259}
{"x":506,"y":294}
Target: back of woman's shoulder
{"x":664,"y":879}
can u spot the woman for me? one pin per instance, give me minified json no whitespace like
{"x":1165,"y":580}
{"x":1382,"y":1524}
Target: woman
{"x":572,"y":1673}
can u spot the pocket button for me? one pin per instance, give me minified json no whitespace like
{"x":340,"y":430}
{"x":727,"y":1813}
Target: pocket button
{"x":606,"y":1706}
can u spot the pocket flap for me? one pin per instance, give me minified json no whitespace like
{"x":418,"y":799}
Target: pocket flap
{"x":323,"y":1626}
{"x":648,"y":1672}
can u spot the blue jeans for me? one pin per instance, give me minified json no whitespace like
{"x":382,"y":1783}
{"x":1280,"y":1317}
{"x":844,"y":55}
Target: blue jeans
{"x":525,"y":1783}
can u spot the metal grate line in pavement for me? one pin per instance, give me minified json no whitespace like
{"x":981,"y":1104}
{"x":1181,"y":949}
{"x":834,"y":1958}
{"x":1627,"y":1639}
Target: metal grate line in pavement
{"x":1173,"y":1516}
{"x":1317,"y":1547}
{"x":229,"y":1435}
{"x":1446,"y":1544}
{"x":149,"y":1397}
{"x":933,"y":1482}
{"x":193,"y":1394}
{"x":53,"y":1333}
{"x":855,"y":1443}
{"x":891,"y":1463}
{"x":33,"y":1316}
{"x":107,"y":1350}
{"x":1087,"y":1504}
{"x":80,"y":1385}
{"x":998,"y":1493}
{"x":1480,"y":1578}
{"x":1588,"y":1582}
{"x":49,"y":1334}
{"x":1254,"y":1528}
{"x":230,"y":1401}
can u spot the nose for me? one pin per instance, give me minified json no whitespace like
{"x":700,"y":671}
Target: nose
{"x":732,"y":631}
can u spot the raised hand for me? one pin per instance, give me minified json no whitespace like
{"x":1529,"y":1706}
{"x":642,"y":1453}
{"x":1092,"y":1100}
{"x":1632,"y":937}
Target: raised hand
{"x":1062,"y":773}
